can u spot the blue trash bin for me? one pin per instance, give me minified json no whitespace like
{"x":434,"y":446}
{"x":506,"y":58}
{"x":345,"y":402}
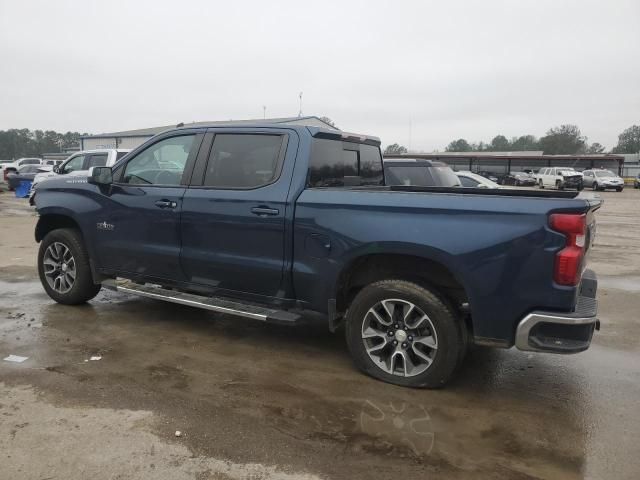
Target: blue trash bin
{"x":23,"y":189}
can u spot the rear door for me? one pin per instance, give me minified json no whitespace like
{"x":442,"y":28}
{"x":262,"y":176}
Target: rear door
{"x":233,"y":216}
{"x":138,"y":230}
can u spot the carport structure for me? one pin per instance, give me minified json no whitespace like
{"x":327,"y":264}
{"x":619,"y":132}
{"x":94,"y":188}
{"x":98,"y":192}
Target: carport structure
{"x":502,"y":163}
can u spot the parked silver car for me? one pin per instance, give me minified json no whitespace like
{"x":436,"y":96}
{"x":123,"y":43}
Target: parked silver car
{"x":602,"y":179}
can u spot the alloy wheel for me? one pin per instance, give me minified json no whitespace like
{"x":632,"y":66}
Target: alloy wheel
{"x":59,"y":267}
{"x":399,"y":337}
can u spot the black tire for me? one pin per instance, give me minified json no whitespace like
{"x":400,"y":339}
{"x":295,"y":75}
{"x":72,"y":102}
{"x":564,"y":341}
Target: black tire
{"x":559,"y":185}
{"x":580,"y":186}
{"x":541,"y":185}
{"x":619,"y":189}
{"x":83,"y":289}
{"x":595,"y":186}
{"x":449,"y":329}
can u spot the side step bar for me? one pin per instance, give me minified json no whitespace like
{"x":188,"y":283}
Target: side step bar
{"x":215,"y":304}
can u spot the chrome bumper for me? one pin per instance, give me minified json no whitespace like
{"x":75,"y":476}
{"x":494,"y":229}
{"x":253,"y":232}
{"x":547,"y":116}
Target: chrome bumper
{"x":555,"y":332}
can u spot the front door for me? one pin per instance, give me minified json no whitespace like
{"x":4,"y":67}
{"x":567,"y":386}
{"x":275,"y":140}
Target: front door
{"x":233,"y":216}
{"x":139,"y":230}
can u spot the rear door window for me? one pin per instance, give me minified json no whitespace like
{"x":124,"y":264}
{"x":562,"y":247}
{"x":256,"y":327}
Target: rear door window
{"x":468,"y":182}
{"x":244,"y":160}
{"x":96,"y":160}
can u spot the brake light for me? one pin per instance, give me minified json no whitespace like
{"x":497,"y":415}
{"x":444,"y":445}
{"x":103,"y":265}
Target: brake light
{"x":568,"y":264}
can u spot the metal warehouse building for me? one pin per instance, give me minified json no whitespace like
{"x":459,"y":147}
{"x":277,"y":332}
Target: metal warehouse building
{"x":133,"y":138}
{"x":505,"y":162}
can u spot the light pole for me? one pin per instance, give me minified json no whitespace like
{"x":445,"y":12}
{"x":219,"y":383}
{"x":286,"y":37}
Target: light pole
{"x":300,"y":112}
{"x":264,"y":112}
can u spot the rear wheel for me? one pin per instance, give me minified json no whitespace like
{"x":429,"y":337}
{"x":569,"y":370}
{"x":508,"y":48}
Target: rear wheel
{"x":63,"y":266}
{"x":559,"y":185}
{"x":403,"y":333}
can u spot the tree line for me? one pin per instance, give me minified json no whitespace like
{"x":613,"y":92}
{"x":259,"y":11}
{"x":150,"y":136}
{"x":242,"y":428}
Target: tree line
{"x":16,"y":143}
{"x":561,"y":140}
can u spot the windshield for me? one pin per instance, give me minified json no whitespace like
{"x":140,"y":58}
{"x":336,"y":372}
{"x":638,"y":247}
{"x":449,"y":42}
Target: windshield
{"x":420,"y":175}
{"x":605,"y":173}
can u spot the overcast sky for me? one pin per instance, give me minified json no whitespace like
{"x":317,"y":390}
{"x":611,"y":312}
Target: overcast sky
{"x":449,"y":69}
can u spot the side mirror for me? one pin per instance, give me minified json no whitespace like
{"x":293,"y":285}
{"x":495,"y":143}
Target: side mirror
{"x":56,"y":169}
{"x":100,"y":176}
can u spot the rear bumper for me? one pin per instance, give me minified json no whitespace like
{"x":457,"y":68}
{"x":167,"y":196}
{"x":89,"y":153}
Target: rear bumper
{"x":555,"y":332}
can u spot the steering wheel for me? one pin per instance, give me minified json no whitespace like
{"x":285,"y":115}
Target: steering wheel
{"x":164,"y":177}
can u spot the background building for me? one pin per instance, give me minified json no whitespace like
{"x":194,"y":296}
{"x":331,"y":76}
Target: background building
{"x":133,"y":138}
{"x":502,"y":163}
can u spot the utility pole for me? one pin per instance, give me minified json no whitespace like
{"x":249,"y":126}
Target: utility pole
{"x":300,"y":112}
{"x":264,"y":112}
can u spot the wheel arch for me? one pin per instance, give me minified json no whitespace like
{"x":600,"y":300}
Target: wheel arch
{"x":434,"y":270}
{"x":52,"y":221}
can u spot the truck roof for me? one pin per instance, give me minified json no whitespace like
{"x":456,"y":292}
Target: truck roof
{"x":316,"y":132}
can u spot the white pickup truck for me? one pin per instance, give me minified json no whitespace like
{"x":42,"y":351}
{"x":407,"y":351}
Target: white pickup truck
{"x":79,"y":164}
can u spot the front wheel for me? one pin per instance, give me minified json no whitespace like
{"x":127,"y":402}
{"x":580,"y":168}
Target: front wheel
{"x":541,"y":185}
{"x":559,"y":185}
{"x":595,"y":186}
{"x":63,"y":266}
{"x":403,"y":333}
{"x":619,"y":189}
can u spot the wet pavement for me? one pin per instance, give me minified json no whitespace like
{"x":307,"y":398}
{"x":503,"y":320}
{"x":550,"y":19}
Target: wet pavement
{"x":262,"y":401}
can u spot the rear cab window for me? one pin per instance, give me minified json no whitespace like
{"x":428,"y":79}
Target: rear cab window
{"x":337,"y":163}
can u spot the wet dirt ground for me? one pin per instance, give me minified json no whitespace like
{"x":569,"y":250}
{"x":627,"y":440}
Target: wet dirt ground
{"x":266,"y":402}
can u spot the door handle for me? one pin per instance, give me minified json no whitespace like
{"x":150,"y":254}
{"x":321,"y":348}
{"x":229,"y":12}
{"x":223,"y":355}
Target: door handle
{"x":265,"y":211}
{"x":166,"y":204}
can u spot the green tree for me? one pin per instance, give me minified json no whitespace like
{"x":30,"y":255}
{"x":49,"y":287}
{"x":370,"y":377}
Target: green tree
{"x":16,"y":143}
{"x":524,"y":143}
{"x":460,"y":145}
{"x":500,"y":144}
{"x":629,"y":140}
{"x":394,"y":149}
{"x":595,"y":148}
{"x":563,"y":140}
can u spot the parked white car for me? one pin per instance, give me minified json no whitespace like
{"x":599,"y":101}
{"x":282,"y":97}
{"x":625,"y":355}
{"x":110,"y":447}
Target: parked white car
{"x":79,"y":164}
{"x":473,"y":180}
{"x":7,"y":168}
{"x":560,"y":178}
{"x":602,"y":179}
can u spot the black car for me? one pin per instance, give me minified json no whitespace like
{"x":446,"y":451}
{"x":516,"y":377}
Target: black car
{"x":519,"y":179}
{"x":419,"y":172}
{"x":26,"y":172}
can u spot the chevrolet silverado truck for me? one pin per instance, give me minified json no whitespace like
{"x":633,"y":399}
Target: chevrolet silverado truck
{"x":288,"y":223}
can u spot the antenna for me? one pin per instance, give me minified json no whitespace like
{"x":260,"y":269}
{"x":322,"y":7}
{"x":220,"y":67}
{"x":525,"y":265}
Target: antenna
{"x":300,"y":112}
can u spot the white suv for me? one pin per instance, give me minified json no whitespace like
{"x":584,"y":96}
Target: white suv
{"x":559,"y":177}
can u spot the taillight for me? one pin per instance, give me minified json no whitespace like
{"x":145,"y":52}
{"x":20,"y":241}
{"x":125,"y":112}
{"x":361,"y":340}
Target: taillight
{"x":568,"y":266}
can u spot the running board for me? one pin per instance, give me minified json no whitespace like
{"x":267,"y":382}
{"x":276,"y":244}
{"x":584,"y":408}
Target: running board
{"x":215,"y":304}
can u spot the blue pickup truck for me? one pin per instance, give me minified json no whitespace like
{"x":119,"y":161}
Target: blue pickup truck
{"x":282,"y":223}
